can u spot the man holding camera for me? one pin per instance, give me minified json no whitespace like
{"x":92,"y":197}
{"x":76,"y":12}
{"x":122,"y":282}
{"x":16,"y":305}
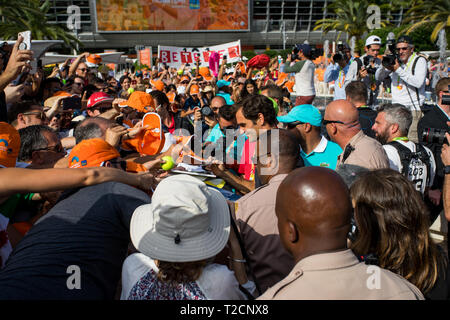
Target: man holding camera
{"x":364,"y":68}
{"x":338,"y":70}
{"x":304,"y":73}
{"x":407,"y":70}
{"x":431,"y":131}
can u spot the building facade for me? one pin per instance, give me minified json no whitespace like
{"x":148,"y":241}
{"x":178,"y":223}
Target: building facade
{"x":274,"y":24}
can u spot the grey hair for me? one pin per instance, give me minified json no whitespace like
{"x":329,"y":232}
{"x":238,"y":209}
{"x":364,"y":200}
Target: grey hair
{"x":397,"y":114}
{"x":32,"y":139}
{"x":90,"y":129}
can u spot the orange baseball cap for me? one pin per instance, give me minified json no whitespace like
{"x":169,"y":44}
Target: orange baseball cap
{"x":205,"y":73}
{"x":141,"y":101}
{"x":194,"y":89}
{"x":62,"y":94}
{"x":9,"y":145}
{"x":185,"y":78}
{"x":93,"y":60}
{"x":171,"y":96}
{"x":91,"y":153}
{"x":158,"y":84}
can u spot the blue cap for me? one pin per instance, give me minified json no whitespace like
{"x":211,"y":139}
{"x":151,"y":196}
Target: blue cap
{"x":305,"y":113}
{"x":222,"y":83}
{"x":305,"y":48}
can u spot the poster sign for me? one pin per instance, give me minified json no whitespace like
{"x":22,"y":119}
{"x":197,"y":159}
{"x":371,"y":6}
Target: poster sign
{"x":177,"y":56}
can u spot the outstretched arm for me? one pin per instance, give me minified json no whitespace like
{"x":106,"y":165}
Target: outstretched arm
{"x":18,"y":180}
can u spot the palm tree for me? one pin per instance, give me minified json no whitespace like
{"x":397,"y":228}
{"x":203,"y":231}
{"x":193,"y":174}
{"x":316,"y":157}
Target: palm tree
{"x":422,"y":12}
{"x":22,"y":15}
{"x":350,"y":16}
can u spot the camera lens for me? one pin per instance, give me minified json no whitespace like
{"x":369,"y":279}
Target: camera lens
{"x":206,"y":111}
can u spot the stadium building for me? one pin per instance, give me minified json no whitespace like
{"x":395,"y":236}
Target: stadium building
{"x":259,"y":24}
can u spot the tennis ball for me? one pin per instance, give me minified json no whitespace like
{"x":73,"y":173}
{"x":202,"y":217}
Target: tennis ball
{"x":130,"y":90}
{"x":169,"y":163}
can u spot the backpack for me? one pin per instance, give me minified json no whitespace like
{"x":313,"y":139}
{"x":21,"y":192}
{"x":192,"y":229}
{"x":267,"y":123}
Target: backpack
{"x":416,"y":166}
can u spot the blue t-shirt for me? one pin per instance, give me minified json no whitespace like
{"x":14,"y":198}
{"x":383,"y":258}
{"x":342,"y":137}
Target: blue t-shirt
{"x":191,"y":104}
{"x":234,"y":150}
{"x":324,"y":155}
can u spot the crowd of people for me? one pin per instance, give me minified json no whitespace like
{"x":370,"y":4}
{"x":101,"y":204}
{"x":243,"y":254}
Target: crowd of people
{"x":273,"y":198}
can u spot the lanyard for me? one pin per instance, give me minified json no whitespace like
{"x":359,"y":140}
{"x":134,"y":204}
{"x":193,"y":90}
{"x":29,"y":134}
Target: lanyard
{"x":399,"y":86}
{"x":400,"y":139}
{"x":341,"y":82}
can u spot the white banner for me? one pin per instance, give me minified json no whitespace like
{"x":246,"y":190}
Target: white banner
{"x":177,"y":56}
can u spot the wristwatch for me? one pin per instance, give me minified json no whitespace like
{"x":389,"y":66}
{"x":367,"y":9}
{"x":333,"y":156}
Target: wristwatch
{"x":447,"y":169}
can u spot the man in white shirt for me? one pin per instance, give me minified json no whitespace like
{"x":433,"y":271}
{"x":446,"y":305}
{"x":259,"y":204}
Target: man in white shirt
{"x":408,"y":76}
{"x":413,"y":160}
{"x":364,"y":69}
{"x":304,"y":74}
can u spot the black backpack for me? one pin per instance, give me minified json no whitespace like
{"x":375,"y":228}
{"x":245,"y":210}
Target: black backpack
{"x":413,"y":164}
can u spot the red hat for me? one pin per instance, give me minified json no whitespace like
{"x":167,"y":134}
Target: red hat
{"x":260,"y":61}
{"x":98,"y":97}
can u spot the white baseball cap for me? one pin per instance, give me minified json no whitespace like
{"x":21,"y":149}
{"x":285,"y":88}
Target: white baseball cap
{"x":373,"y":40}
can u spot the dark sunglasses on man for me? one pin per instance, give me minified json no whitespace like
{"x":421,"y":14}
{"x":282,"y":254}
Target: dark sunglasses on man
{"x":41,"y":114}
{"x":56,"y":148}
{"x":292,"y":125}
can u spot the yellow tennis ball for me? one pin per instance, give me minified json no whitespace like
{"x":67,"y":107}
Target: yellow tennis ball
{"x":169,"y":163}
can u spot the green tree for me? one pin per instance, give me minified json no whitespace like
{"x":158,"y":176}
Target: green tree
{"x":426,"y":12}
{"x":22,"y":15}
{"x":350,"y":16}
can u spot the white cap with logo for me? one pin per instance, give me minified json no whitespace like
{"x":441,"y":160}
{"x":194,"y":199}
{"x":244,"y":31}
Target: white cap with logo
{"x":373,"y":40}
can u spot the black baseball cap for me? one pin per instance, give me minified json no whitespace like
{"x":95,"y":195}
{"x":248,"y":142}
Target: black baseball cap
{"x":405,"y":39}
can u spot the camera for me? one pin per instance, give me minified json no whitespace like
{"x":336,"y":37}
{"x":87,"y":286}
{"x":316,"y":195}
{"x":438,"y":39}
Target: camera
{"x":206,"y":111}
{"x":367,"y":60}
{"x":433,"y":135}
{"x":389,"y":60}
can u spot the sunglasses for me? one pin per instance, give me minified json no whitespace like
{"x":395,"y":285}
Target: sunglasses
{"x":79,"y":83}
{"x":292,"y":125}
{"x":402,"y":48}
{"x":184,"y":82}
{"x":41,"y":114}
{"x":56,"y":148}
{"x":325,"y":122}
{"x":83,"y":69}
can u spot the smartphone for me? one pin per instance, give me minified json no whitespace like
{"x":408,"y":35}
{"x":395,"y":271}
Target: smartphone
{"x":26,"y":43}
{"x":71,"y":103}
